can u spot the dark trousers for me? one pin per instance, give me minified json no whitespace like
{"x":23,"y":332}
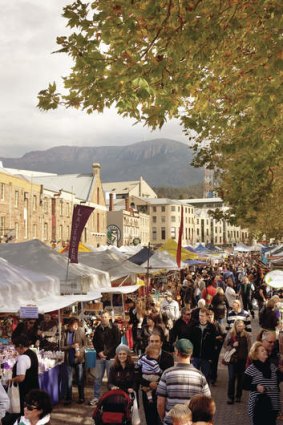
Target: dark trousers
{"x":214,"y":364}
{"x":235,"y":377}
{"x":204,"y":366}
{"x":150,"y":409}
{"x":79,"y":372}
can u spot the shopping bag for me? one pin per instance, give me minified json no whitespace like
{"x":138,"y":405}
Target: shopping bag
{"x":135,"y":412}
{"x":14,"y":396}
{"x":227,"y":356}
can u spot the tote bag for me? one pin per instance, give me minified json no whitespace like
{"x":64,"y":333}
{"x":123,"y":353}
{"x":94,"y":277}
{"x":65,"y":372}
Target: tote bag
{"x":227,"y":356}
{"x":14,"y":396}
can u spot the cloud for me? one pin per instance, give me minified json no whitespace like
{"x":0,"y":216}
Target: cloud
{"x":28,"y":36}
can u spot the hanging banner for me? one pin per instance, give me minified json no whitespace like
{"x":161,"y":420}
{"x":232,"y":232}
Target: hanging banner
{"x":179,"y":247}
{"x":81,"y":214}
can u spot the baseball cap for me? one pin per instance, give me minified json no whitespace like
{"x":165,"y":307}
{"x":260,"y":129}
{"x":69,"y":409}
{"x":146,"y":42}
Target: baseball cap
{"x":184,"y":346}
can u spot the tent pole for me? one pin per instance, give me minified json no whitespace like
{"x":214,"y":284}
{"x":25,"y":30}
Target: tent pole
{"x":59,"y":328}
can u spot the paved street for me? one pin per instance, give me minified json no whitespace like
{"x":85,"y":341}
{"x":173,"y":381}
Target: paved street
{"x":226,"y":414}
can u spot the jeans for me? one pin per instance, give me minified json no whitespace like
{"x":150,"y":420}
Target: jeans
{"x":79,"y":371}
{"x":235,"y":376}
{"x":203,"y":365}
{"x":99,"y":371}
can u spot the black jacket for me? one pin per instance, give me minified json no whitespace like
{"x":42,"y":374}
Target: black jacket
{"x":203,"y":342}
{"x":179,"y":330}
{"x":107,"y":339}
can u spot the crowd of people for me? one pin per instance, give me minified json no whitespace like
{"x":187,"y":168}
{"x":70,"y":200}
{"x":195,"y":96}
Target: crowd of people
{"x":177,"y":341}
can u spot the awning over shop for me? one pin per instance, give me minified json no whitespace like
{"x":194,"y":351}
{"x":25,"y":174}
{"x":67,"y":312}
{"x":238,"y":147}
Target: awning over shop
{"x":39,"y":258}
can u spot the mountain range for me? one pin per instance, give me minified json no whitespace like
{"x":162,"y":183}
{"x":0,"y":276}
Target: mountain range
{"x":161,"y":162}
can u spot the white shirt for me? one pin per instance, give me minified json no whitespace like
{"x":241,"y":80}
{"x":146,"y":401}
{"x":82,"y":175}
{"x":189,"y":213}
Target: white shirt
{"x":230,"y":295}
{"x":23,"y":364}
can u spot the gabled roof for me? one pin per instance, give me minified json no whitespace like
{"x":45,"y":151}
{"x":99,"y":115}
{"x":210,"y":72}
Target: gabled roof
{"x":120,"y":187}
{"x":78,"y":184}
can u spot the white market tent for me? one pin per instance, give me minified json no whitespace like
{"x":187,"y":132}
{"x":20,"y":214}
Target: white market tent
{"x":112,"y":263}
{"x":161,"y":260}
{"x":21,"y":287}
{"x":39,"y":258}
{"x":241,"y":247}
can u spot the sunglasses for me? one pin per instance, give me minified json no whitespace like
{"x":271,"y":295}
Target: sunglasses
{"x":30,"y":406}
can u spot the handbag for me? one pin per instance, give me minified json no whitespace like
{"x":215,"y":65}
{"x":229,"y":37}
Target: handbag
{"x":14,"y":396}
{"x":228,"y":355}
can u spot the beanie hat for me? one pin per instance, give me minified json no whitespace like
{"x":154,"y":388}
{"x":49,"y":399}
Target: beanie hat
{"x":123,"y":347}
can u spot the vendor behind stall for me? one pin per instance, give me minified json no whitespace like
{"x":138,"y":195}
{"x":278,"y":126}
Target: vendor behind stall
{"x":29,"y":328}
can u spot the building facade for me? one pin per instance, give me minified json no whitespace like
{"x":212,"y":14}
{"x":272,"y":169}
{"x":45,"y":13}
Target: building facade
{"x":40,"y":206}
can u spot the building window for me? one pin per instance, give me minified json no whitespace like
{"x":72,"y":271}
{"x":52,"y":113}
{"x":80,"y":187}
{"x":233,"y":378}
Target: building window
{"x":2,"y":191}
{"x":154,"y":209}
{"x":2,"y":225}
{"x":163,"y":233}
{"x":173,"y":219}
{"x":163,"y":208}
{"x":45,"y":231}
{"x":98,"y":223}
{"x":197,"y":232}
{"x":16,"y":198}
{"x":98,"y":196}
{"x":34,"y":231}
{"x":17,"y":230}
{"x":34,"y":202}
{"x":197,"y":221}
{"x":45,"y":205}
{"x":163,"y":219}
{"x":61,"y":232}
{"x":154,"y":219}
{"x":68,"y":209}
{"x":173,"y":209}
{"x":154,"y":234}
{"x":61,"y":208}
{"x":173,"y":232}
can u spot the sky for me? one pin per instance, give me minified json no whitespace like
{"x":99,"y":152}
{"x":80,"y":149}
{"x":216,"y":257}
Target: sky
{"x":28,"y":31}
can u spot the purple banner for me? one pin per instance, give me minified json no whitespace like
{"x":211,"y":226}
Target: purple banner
{"x":81,"y":214}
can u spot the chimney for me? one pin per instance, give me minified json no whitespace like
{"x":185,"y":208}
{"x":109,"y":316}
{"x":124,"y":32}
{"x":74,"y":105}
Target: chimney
{"x":110,"y":201}
{"x":127,"y":204}
{"x":96,"y":169}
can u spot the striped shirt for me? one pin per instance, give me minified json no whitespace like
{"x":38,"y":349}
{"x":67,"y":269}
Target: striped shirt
{"x":149,"y":366}
{"x":241,"y":315}
{"x":253,"y":377}
{"x":180,"y":383}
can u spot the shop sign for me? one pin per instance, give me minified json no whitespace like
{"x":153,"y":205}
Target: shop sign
{"x":113,"y":234}
{"x":29,"y":312}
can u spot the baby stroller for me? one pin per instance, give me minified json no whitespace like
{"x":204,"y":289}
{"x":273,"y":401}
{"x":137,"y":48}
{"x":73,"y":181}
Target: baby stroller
{"x":114,"y":407}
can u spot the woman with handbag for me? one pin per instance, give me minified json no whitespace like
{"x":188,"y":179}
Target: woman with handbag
{"x":240,"y":340}
{"x":261,"y":378}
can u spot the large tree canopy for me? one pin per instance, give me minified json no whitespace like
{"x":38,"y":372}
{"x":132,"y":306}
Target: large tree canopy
{"x":216,"y":65}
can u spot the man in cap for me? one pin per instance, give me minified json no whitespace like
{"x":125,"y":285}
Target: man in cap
{"x":179,"y":383}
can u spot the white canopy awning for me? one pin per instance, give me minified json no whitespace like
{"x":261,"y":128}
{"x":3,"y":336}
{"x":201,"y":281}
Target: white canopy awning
{"x":39,"y":258}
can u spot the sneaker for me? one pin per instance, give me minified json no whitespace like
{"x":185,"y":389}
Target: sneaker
{"x":230,"y":401}
{"x":93,"y":402}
